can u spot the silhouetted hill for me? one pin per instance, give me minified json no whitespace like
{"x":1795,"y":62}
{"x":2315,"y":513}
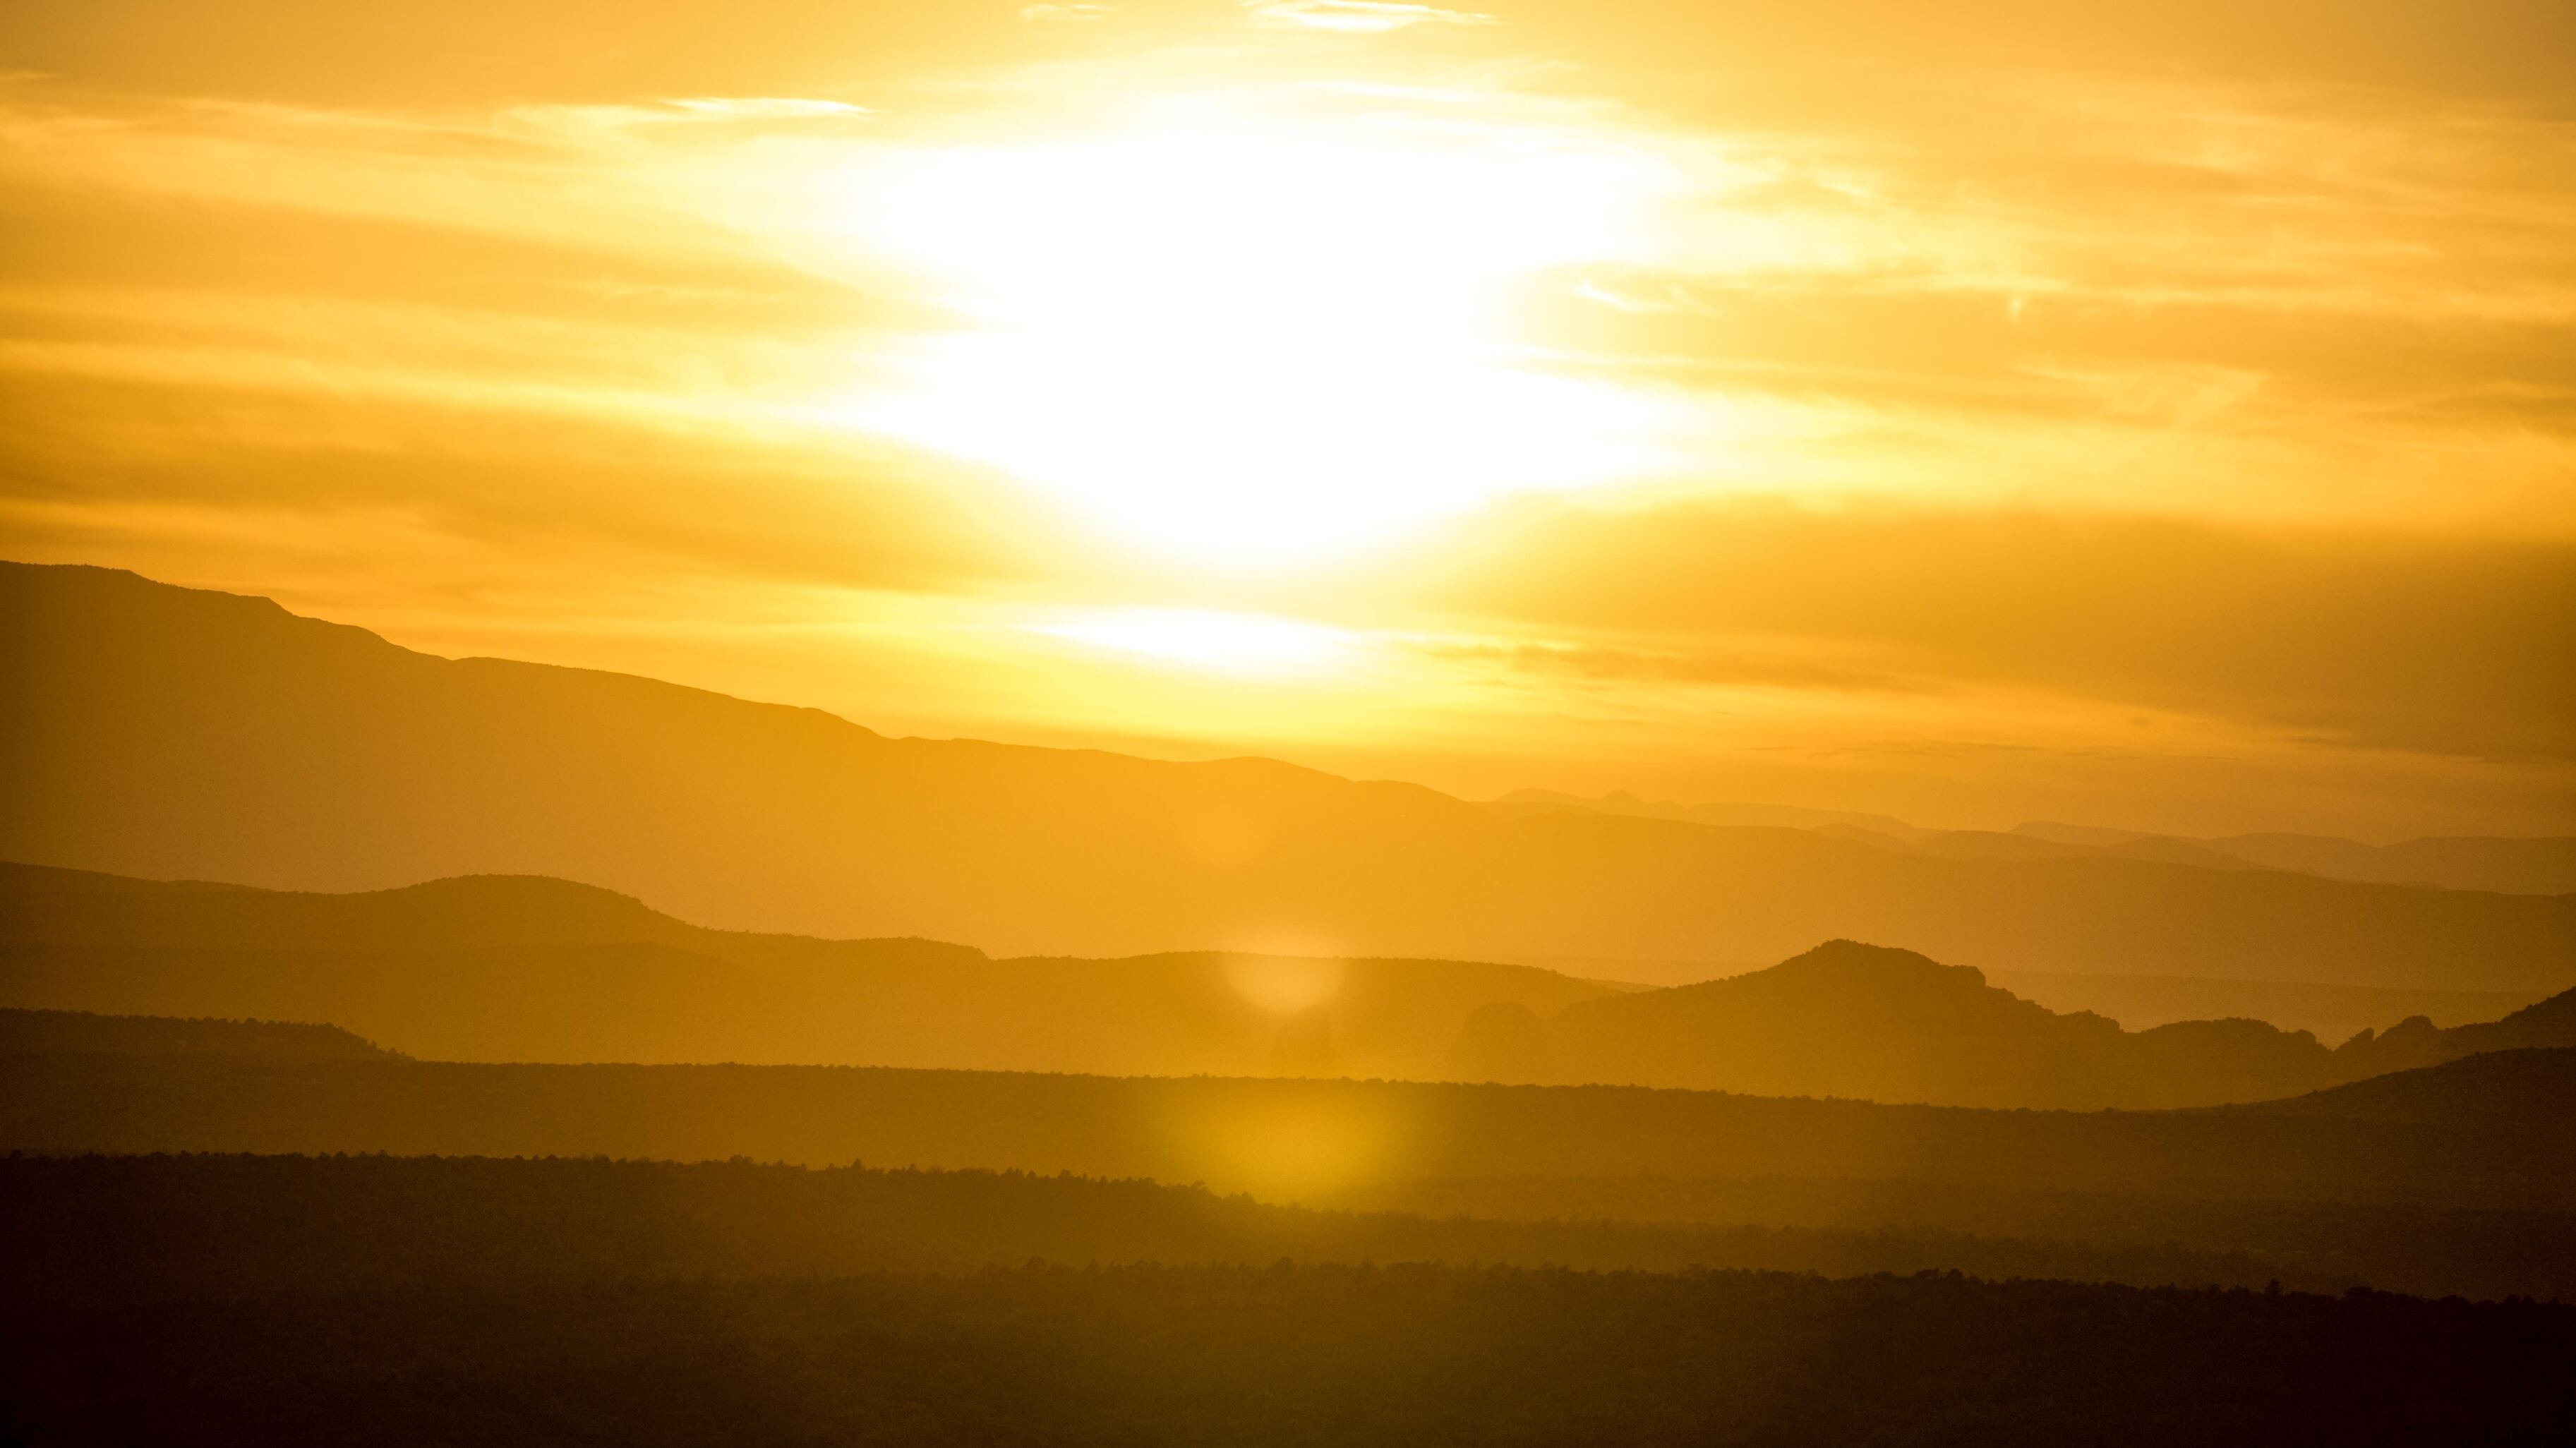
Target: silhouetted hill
{"x":2418,"y":1042}
{"x":1878,"y":1024}
{"x":1862,"y":1021}
{"x":515,"y":968}
{"x":25,"y":1032}
{"x":167,"y":732}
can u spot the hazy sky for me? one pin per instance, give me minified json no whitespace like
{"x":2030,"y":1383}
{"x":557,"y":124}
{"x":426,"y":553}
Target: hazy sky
{"x":2153,"y":414}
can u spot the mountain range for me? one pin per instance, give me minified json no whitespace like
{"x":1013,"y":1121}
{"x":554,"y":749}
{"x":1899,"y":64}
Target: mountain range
{"x":1879,"y":1024}
{"x":175,"y":733}
{"x":501,"y":968}
{"x":2536,"y":866}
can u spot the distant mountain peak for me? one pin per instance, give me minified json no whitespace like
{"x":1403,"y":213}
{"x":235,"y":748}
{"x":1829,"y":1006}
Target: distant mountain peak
{"x":1860,"y":960}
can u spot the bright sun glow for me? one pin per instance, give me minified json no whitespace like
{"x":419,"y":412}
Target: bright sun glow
{"x":1205,"y":639}
{"x":1251,"y":339}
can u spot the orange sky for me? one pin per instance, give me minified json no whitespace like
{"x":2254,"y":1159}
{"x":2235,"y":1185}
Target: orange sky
{"x":2158,"y":415}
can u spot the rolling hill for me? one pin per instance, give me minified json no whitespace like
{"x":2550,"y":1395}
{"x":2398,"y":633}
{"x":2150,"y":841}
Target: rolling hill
{"x":169,"y":732}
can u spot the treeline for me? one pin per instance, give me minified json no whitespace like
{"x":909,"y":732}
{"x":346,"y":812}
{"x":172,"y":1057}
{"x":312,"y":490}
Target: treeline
{"x":155,"y":1227}
{"x":2488,"y":1132}
{"x":29,"y":1032}
{"x":1288,"y":1356}
{"x":2400,"y":1247}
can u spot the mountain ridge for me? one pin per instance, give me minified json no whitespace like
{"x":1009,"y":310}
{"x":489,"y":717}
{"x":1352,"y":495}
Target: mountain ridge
{"x":169,"y":732}
{"x":2520,"y":865}
{"x":1847,"y":1019}
{"x":498,"y":968}
{"x":530,"y":968}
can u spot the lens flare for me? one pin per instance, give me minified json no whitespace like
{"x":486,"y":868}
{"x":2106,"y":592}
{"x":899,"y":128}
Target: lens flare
{"x":1285,"y":984}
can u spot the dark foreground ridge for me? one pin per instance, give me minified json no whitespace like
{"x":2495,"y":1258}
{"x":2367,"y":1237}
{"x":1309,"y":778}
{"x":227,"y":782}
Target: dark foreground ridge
{"x":1291,"y":1355}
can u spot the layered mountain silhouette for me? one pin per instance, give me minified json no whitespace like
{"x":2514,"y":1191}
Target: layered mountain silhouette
{"x":499,"y":968}
{"x":1847,"y":1019}
{"x":2544,"y":866}
{"x":2329,"y":1012}
{"x":530,"y":969}
{"x":168,"y":732}
{"x":2537,"y":866}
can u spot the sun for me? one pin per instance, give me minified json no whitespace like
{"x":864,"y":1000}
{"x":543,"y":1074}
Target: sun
{"x":1248,"y":336}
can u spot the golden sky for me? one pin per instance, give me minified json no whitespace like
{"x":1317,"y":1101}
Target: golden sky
{"x":2160,"y":415}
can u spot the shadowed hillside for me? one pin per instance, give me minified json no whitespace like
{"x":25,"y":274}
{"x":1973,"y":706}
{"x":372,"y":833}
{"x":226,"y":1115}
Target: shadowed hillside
{"x":167,"y":732}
